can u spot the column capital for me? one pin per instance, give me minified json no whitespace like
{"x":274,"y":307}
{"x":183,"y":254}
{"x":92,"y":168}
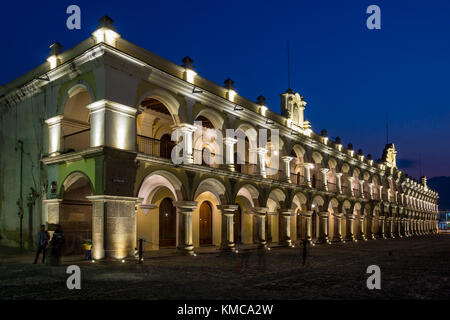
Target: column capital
{"x":338,"y":214}
{"x":184,"y":127}
{"x":259,"y":210}
{"x":185,"y":207}
{"x":324,"y":170}
{"x":228,"y":209}
{"x":146,"y":207}
{"x":54,"y":120}
{"x":308,"y":165}
{"x":229,"y":141}
{"x":324,"y":214}
{"x":287,"y":158}
{"x":261,"y":151}
{"x":111,"y":106}
{"x":286,"y":212}
{"x":339,"y":174}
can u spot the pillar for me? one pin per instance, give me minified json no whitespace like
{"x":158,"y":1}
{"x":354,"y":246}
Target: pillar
{"x":368,"y":231}
{"x":350,"y":185}
{"x":308,"y":167}
{"x":285,"y":227}
{"x":113,"y":125}
{"x":349,"y":230}
{"x":185,"y":131}
{"x":262,"y":161}
{"x":229,"y":152}
{"x":324,"y":178}
{"x":307,"y":226}
{"x":227,"y":242}
{"x":185,"y":209}
{"x":360,"y":234}
{"x":55,"y":135}
{"x":382,"y":226}
{"x":287,"y":167}
{"x":339,"y":182}
{"x":323,"y":227}
{"x":371,"y":191}
{"x":113,"y":226}
{"x":361,"y":188}
{"x":337,"y":231}
{"x":261,"y":225}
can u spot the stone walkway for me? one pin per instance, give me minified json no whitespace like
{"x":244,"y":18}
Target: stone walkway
{"x":411,"y":268}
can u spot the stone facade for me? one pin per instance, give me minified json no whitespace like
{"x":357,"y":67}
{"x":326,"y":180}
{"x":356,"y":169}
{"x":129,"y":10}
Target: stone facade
{"x":98,"y":135}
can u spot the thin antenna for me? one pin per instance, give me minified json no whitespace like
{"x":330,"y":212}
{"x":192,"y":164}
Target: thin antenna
{"x":289,"y":65}
{"x":387,"y":129}
{"x":420,"y":164}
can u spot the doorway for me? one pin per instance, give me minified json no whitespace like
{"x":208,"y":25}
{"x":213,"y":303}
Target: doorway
{"x":205,"y":224}
{"x":167,"y":223}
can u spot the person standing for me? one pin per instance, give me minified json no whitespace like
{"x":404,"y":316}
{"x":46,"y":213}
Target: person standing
{"x":57,"y":243}
{"x":43,"y":237}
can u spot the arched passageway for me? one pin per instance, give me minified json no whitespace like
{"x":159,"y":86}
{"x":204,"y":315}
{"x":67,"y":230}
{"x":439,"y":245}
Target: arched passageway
{"x":76,"y":213}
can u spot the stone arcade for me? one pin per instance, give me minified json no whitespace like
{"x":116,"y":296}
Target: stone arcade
{"x":96,"y":123}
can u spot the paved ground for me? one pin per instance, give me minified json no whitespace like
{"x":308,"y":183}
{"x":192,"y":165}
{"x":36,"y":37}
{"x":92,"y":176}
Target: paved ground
{"x":411,"y":268}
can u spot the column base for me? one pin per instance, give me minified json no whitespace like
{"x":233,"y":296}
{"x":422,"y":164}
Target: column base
{"x":323,"y":241}
{"x":228,"y":247}
{"x":350,"y":238}
{"x":337,"y":239}
{"x":188,"y":250}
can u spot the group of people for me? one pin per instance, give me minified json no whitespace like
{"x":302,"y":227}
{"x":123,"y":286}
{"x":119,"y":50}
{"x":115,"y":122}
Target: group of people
{"x":56,"y":243}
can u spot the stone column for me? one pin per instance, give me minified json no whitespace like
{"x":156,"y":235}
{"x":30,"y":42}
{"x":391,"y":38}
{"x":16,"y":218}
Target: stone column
{"x":360,"y":235}
{"x":349,"y":230}
{"x":337,"y":234}
{"x":324,"y":178}
{"x":371,"y":191}
{"x":350,"y":185}
{"x":339,"y":182}
{"x":285,"y":227}
{"x":229,"y":151}
{"x":380,"y":193}
{"x":186,"y":130}
{"x":382,"y":226}
{"x":408,"y":227}
{"x":399,"y":227}
{"x":308,"y":167}
{"x":287,"y":167}
{"x":113,"y":125}
{"x":261,"y":225}
{"x":323,"y":227}
{"x":113,"y":226}
{"x":51,"y":210}
{"x":185,"y":209}
{"x":227,"y":243}
{"x":55,"y":135}
{"x":361,"y":188}
{"x":390,"y":227}
{"x":368,"y":232}
{"x":262,"y":161}
{"x":307,"y":226}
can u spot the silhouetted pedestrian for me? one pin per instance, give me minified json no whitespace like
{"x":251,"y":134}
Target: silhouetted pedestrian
{"x":43,"y":237}
{"x":305,"y":244}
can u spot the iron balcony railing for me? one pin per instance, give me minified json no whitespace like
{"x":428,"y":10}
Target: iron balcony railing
{"x":155,"y":147}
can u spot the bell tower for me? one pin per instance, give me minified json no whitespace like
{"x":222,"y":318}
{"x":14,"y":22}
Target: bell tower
{"x":293,"y":107}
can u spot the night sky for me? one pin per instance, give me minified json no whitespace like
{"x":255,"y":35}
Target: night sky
{"x":349,"y":75}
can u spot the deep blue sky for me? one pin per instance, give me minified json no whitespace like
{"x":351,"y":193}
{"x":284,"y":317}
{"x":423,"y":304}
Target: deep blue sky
{"x":349,"y":75}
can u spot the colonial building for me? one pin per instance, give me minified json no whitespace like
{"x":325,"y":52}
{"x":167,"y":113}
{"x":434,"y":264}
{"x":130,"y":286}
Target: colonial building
{"x":86,"y":144}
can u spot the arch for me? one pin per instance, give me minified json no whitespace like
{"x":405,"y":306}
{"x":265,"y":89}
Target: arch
{"x":160,"y":179}
{"x":213,"y":116}
{"x":166,"y":98}
{"x":213,"y":186}
{"x":249,"y":192}
{"x":75,"y":215}
{"x":71,"y":91}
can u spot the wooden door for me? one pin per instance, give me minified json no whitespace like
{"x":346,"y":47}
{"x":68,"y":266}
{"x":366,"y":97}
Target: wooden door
{"x":205,"y":223}
{"x":237,"y":225}
{"x":167,"y":223}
